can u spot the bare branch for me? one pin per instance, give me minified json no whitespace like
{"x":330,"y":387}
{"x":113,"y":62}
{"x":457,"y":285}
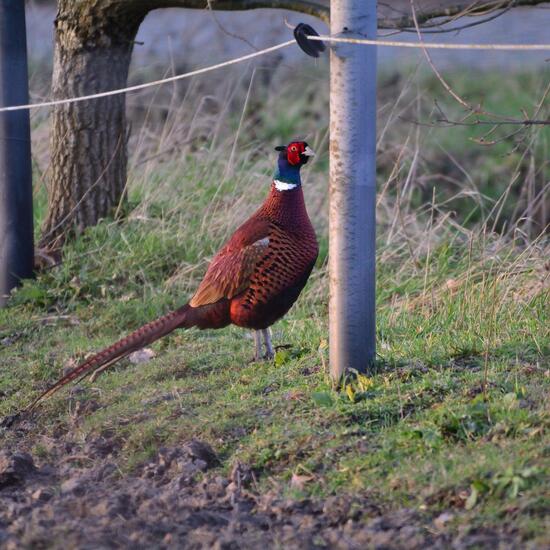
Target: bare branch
{"x":390,"y":17}
{"x":226,"y":31}
{"x":475,"y":110}
{"x":449,"y":122}
{"x":317,"y":8}
{"x":427,"y":29}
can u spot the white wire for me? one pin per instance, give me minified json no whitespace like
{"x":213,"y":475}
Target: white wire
{"x":434,"y":45}
{"x":390,"y":43}
{"x":149,"y":84}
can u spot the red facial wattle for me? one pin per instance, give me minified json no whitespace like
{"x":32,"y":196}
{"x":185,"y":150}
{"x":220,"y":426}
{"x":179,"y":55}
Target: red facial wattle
{"x":293,"y":153}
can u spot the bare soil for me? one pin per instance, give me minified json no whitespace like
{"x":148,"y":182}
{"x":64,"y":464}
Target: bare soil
{"x":180,"y":500}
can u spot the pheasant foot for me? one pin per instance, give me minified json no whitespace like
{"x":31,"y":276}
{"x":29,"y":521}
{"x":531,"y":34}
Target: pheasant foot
{"x":269,"y":351}
{"x":258,"y":352}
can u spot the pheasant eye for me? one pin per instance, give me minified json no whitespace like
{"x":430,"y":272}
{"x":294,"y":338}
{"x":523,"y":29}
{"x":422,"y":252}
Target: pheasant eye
{"x":293,"y":148}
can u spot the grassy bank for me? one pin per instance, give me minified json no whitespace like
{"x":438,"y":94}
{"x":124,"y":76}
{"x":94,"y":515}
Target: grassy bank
{"x":453,"y":419}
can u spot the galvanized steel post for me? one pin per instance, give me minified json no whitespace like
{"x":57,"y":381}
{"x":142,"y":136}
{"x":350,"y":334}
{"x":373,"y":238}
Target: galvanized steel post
{"x":16,"y":222}
{"x":352,"y":225}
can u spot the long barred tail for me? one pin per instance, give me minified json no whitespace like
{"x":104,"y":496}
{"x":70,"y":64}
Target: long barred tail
{"x":136,"y":340}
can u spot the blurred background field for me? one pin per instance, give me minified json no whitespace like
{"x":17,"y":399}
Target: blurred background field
{"x":288,"y":96}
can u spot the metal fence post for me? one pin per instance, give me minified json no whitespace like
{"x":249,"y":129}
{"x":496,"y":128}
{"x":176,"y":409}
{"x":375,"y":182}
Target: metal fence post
{"x":352,"y":224}
{"x":16,"y":221}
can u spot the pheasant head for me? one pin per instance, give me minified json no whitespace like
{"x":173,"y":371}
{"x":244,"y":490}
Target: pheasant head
{"x":291,"y":158}
{"x":296,"y":153}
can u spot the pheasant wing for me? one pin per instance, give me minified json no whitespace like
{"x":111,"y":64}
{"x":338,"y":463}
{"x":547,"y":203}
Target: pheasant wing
{"x":230,"y":271}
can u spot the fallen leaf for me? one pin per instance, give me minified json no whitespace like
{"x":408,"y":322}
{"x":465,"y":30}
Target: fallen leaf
{"x":294,"y":395}
{"x":298,"y":481}
{"x":141,"y":356}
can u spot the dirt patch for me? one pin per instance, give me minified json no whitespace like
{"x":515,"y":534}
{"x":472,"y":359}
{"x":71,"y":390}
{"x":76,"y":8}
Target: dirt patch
{"x":179,"y":500}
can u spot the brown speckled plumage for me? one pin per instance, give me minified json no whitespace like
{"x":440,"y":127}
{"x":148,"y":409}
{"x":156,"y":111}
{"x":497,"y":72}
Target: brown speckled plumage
{"x":251,"y":282}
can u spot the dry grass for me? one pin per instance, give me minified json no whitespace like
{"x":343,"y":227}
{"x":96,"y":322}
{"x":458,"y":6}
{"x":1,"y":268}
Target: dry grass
{"x":457,"y":402}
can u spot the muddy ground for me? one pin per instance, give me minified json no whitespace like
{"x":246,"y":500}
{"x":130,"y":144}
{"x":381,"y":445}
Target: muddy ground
{"x":180,"y":500}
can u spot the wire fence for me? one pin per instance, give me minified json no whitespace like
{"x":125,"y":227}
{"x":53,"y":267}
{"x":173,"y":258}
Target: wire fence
{"x":259,"y":53}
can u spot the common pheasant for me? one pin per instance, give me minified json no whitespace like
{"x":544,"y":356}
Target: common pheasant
{"x":251,"y":282}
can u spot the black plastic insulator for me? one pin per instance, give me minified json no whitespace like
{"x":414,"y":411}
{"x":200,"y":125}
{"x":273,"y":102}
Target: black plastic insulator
{"x":313,"y":48}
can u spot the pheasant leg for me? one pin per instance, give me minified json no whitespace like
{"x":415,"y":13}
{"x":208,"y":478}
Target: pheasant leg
{"x":257,"y":346}
{"x":269,"y":351}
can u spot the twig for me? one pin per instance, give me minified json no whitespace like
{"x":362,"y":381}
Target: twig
{"x":225,"y":31}
{"x":404,"y":20}
{"x":449,"y":122}
{"x":426,"y":29}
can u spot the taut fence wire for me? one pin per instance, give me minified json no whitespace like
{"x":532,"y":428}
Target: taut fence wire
{"x":433,"y":45}
{"x":234,"y":61}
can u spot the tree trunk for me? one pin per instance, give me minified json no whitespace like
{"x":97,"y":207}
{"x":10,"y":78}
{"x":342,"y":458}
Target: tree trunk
{"x":93,"y":47}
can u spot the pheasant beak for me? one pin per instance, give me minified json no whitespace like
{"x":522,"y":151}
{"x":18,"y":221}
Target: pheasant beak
{"x":309,"y":152}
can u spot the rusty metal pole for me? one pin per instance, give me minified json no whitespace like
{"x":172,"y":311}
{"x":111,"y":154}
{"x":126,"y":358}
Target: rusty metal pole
{"x":352,"y":225}
{"x":16,"y":221}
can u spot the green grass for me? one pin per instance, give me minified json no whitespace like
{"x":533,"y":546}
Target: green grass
{"x":454,"y":416}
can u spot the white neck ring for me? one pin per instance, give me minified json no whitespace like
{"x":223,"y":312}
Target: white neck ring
{"x":284,"y":186}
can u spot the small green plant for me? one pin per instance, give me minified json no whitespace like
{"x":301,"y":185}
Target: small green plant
{"x":507,"y":484}
{"x":467,"y":424}
{"x":322,"y":398}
